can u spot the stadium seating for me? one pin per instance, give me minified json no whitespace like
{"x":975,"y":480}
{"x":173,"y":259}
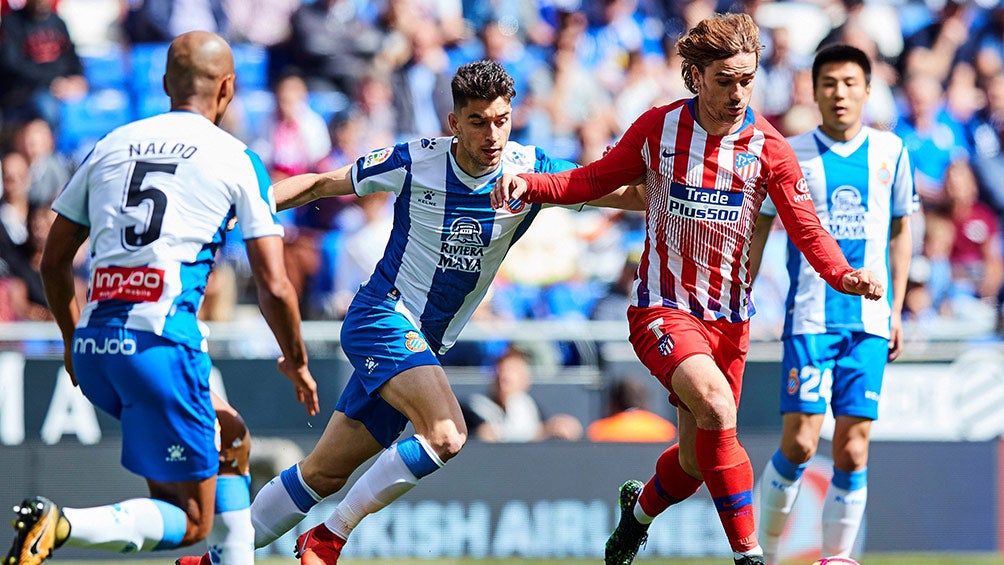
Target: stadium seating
{"x":107,"y":69}
{"x":84,"y":121}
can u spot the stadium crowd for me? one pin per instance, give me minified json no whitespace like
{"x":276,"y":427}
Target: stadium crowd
{"x":321,"y":83}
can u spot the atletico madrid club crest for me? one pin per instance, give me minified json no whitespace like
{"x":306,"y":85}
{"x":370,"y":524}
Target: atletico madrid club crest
{"x":747,"y":166}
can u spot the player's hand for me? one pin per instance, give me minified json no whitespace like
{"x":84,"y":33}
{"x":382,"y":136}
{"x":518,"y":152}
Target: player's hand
{"x":862,"y":282}
{"x":895,"y":337}
{"x":306,"y":388}
{"x":68,"y":362}
{"x":507,"y":187}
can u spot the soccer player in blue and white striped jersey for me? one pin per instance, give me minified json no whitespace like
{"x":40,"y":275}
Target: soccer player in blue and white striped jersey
{"x":445,"y":248}
{"x":154,"y":197}
{"x":836,"y":346}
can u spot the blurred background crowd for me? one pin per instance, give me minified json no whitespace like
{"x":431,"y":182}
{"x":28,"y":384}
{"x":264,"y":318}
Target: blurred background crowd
{"x":321,"y":83}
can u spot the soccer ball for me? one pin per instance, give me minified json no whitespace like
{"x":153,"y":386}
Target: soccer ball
{"x":836,"y":561}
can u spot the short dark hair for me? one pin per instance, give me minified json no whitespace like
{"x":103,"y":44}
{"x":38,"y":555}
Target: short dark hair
{"x":841,"y":53}
{"x":481,"y":80}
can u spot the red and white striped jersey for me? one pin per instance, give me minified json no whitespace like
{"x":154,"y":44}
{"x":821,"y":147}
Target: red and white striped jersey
{"x":704,"y":193}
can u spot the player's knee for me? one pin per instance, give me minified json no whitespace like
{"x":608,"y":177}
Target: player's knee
{"x":235,"y":443}
{"x":800,"y":449}
{"x":447,"y":443}
{"x":714,"y":410}
{"x":853,"y":456}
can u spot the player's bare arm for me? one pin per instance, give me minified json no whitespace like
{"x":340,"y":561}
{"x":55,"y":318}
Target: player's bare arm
{"x":65,"y":238}
{"x":278,"y":302}
{"x":301,"y":189}
{"x":761,"y":231}
{"x":900,"y":252}
{"x":631,"y":197}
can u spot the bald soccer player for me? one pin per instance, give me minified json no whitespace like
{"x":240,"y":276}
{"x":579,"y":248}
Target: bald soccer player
{"x":155,"y":196}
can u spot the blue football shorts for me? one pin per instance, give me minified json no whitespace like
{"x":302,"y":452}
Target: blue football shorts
{"x":159,"y":390}
{"x":380,"y":342}
{"x":842,"y":368}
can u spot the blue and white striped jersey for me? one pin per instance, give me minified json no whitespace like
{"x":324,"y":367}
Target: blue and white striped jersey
{"x":857,"y":187}
{"x":447,"y":241}
{"x":157,"y":195}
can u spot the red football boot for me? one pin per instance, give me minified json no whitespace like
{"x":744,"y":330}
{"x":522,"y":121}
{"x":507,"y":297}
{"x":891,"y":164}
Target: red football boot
{"x":193,"y":560}
{"x":319,"y":546}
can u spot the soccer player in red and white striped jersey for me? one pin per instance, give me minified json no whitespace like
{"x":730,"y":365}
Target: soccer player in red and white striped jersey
{"x":707,"y":163}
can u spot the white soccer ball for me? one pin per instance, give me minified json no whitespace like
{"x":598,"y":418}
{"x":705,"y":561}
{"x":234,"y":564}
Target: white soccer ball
{"x":836,"y":561}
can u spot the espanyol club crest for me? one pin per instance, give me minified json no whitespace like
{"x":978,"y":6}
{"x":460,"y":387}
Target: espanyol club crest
{"x":515,"y":206}
{"x":414,"y":342}
{"x":747,"y":166}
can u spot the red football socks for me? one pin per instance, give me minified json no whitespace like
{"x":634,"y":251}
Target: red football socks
{"x":727,"y":472}
{"x":669,"y":485}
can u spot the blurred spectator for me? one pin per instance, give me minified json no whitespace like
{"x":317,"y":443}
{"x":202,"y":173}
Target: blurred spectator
{"x":776,"y":76}
{"x":628,"y":419}
{"x":262,"y":22}
{"x":96,"y":26}
{"x":377,"y":116}
{"x":637,"y":94}
{"x":39,"y":66}
{"x":22,"y":234}
{"x":614,"y":303}
{"x":573,"y":96}
{"x":50,"y":171}
{"x":971,"y":233}
{"x":520,"y":19}
{"x":332,"y":45}
{"x":422,"y":95}
{"x":932,"y":136}
{"x":938,"y":46}
{"x":294,"y":138}
{"x":360,"y":245}
{"x":156,"y":21}
{"x":507,"y":413}
{"x":985,"y":132}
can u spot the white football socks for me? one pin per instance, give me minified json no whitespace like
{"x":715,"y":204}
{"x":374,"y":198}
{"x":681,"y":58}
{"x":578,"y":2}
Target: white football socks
{"x":273,"y":511}
{"x":777,"y":498}
{"x":133,"y":525}
{"x":384,"y":482}
{"x":842,"y":513}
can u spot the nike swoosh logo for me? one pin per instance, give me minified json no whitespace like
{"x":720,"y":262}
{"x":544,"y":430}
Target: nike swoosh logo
{"x":666,"y":154}
{"x":38,"y":538}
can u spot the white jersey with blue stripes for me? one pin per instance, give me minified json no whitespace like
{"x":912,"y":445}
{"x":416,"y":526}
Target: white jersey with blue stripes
{"x":157,"y":195}
{"x":447,"y":241}
{"x":857,"y":187}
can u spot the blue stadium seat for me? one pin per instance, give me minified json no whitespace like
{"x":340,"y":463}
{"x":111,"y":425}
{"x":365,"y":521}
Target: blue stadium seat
{"x":107,"y":69}
{"x":149,"y":61}
{"x":251,"y":65}
{"x":84,"y":121}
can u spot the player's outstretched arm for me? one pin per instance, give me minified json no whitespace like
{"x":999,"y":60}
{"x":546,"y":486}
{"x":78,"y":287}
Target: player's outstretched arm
{"x":301,"y":189}
{"x":278,"y":302}
{"x":65,"y":237}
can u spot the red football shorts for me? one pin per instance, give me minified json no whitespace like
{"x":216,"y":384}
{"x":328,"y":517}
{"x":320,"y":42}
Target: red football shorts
{"x":664,"y":337}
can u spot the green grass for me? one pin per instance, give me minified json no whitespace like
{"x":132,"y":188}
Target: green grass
{"x":871,"y":559}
